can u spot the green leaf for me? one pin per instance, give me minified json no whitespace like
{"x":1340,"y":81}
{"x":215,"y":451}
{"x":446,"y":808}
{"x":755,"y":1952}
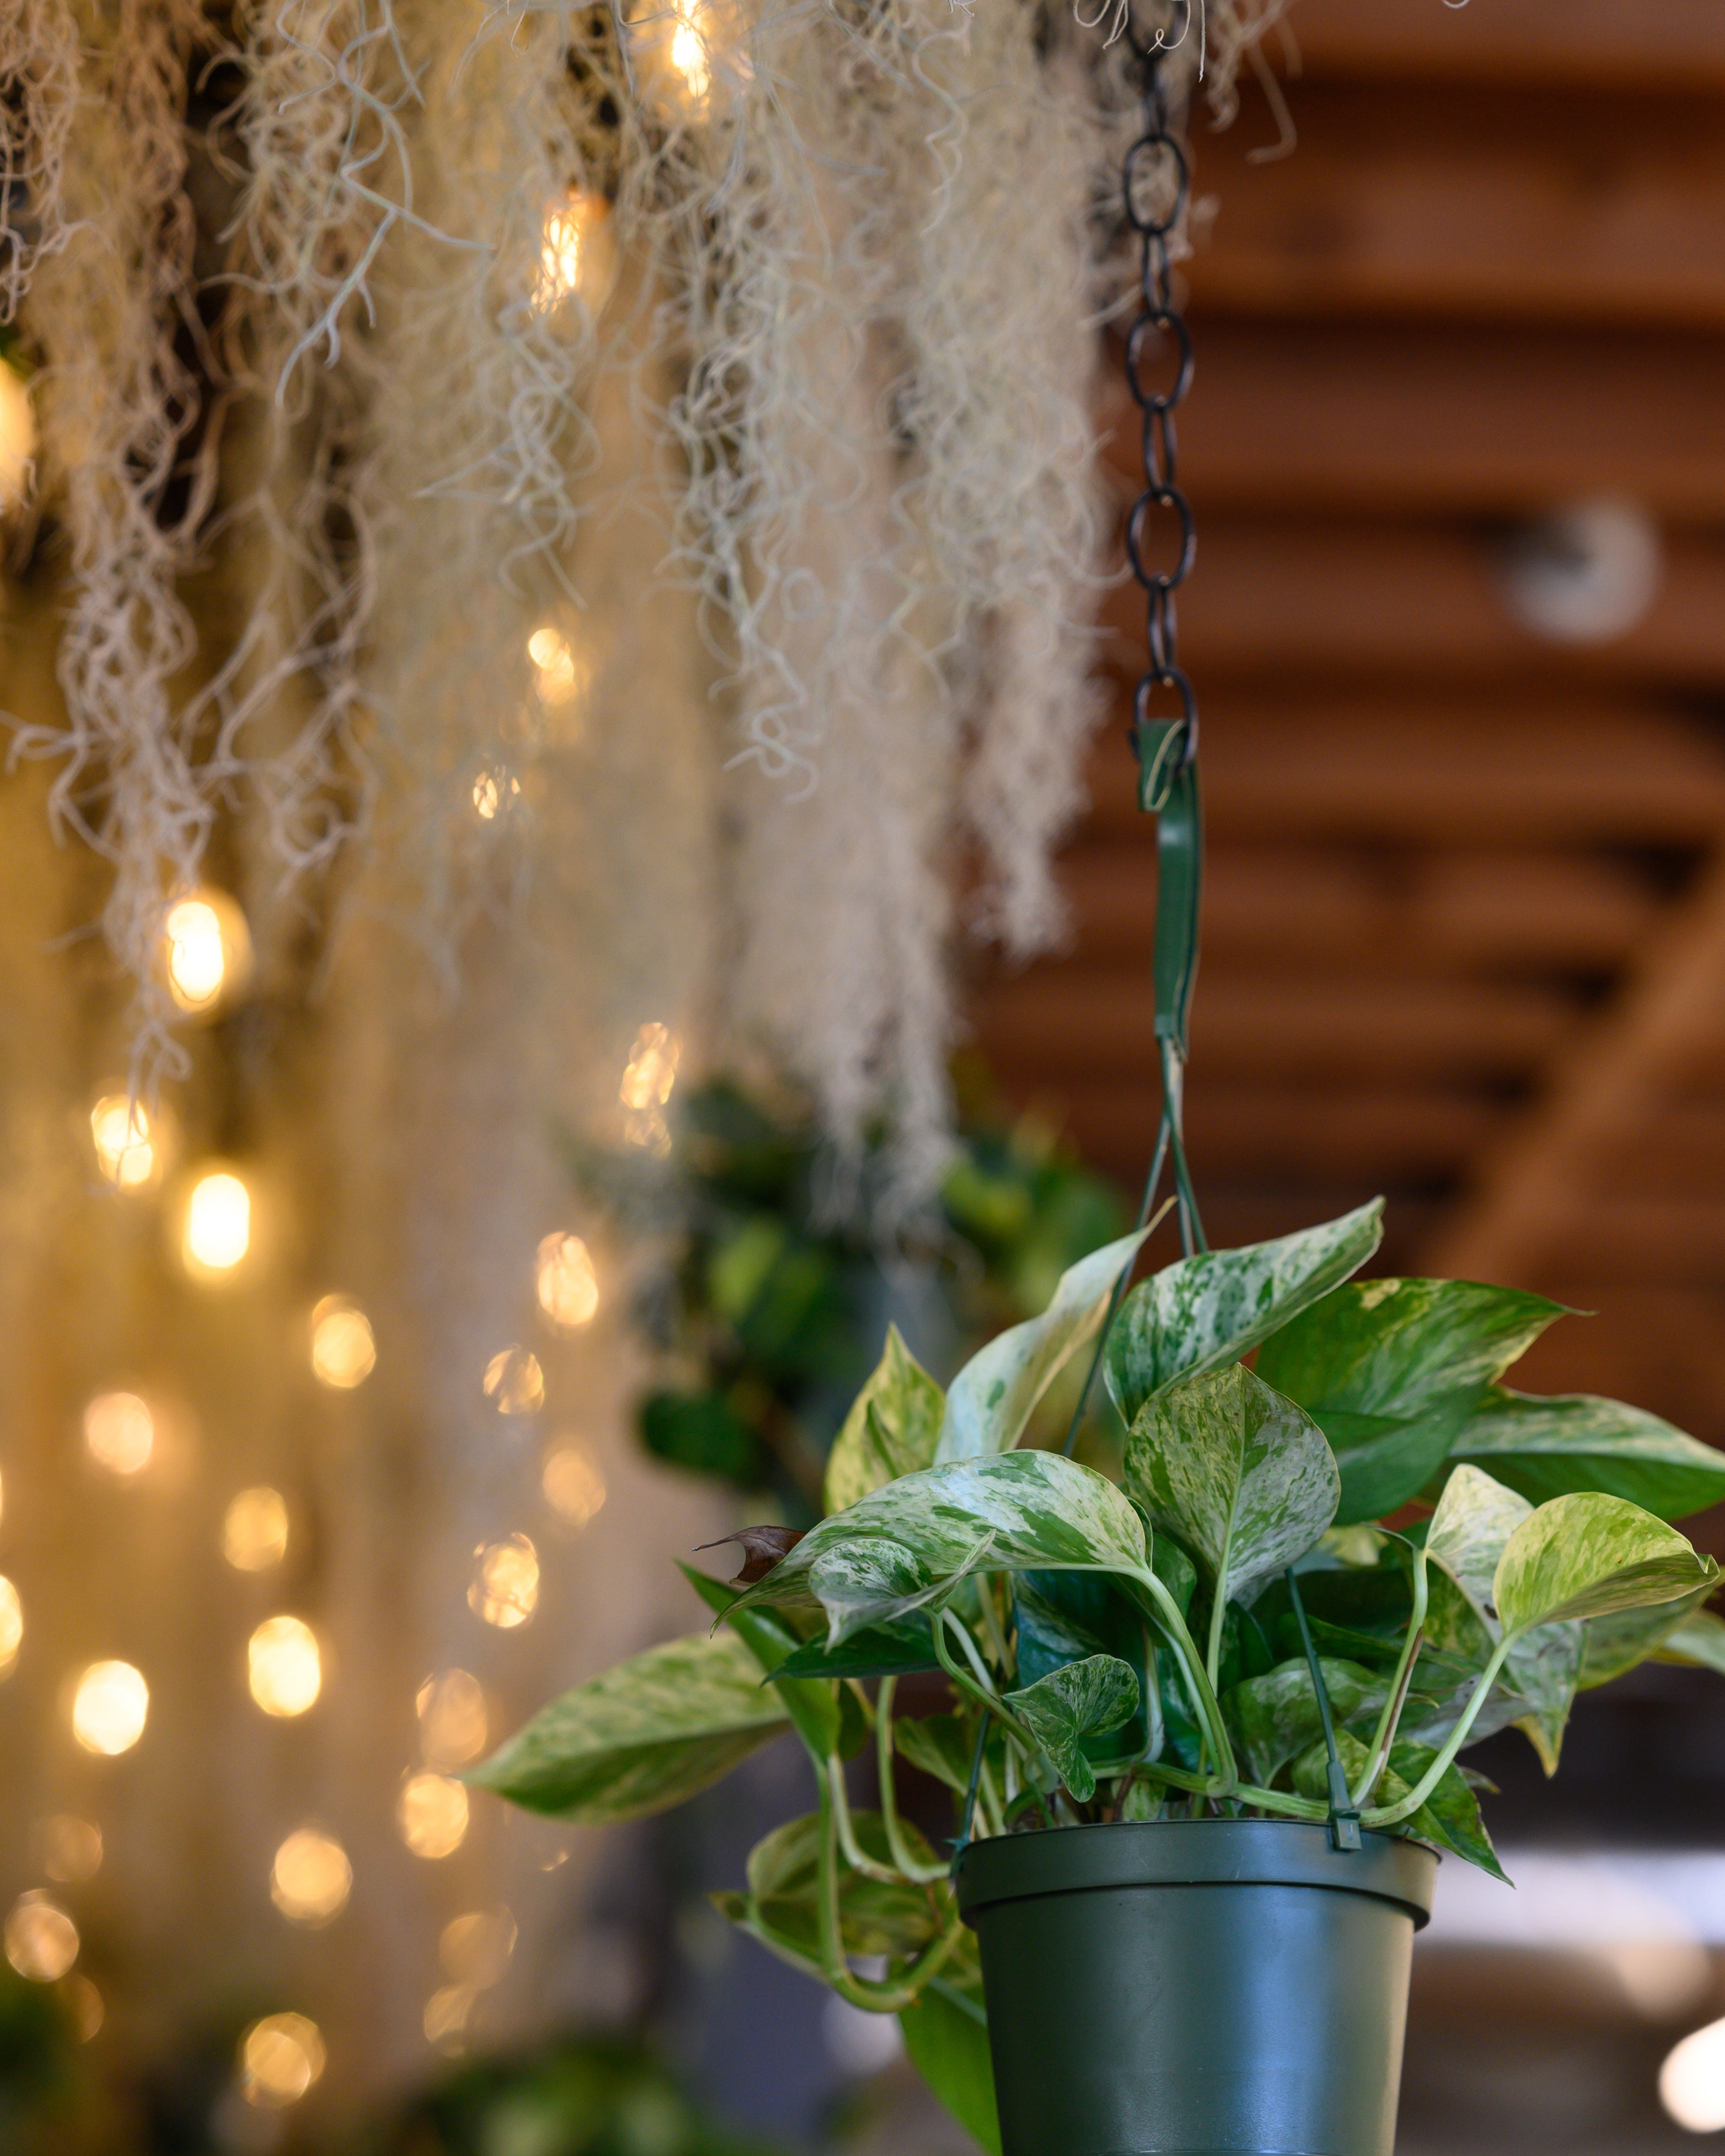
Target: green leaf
{"x":1204,"y":1311}
{"x":1449,"y":1817}
{"x":892,"y":1429}
{"x":1588,"y":1554}
{"x":894,"y":1918}
{"x":905,"y":1545}
{"x":1238,"y":1473}
{"x":991,"y":1400}
{"x":813,"y":1706}
{"x":1275,"y":1717}
{"x":1550,"y":1447}
{"x":1698,"y":1640}
{"x":1076,"y":1700}
{"x":901,"y":1649}
{"x":1392,"y":1369}
{"x":657,"y":1729}
{"x":947,"y":2035}
{"x":937,"y":1745}
{"x":1616,"y":1643}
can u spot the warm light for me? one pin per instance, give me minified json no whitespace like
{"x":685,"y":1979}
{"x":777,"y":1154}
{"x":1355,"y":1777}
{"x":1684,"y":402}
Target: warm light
{"x":285,"y":1669}
{"x":515,"y":1382}
{"x":574,"y":1488}
{"x":12,"y":1625}
{"x":446,"y":2013}
{"x":255,"y":1531}
{"x":343,"y":1352}
{"x":431,"y":1812}
{"x":1692,"y":2082}
{"x":310,"y":1880}
{"x":110,"y":1708}
{"x":647,"y":1078}
{"x":85,"y":2002}
{"x":505,"y":1588}
{"x":121,"y":1132}
{"x":566,"y":1285}
{"x":17,"y":436}
{"x":71,"y":1848}
{"x":41,"y":1939}
{"x":577,"y":253}
{"x":560,"y":677}
{"x":474,"y":1949}
{"x":219,"y":1224}
{"x":279,"y":2058}
{"x":452,"y":1718}
{"x":120,"y":1432}
{"x":689,"y":51}
{"x":493,"y":791}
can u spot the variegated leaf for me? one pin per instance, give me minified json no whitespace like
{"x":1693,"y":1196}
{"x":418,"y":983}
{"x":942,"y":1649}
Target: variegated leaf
{"x":1204,"y":1311}
{"x":1618,"y":1643}
{"x":892,"y":1429}
{"x":1587,"y":1555}
{"x":657,"y":1729}
{"x":1449,"y":1816}
{"x":1698,"y":1641}
{"x":1275,"y":1717}
{"x":991,"y":1400}
{"x":1549,"y":1447}
{"x":1076,"y":1700}
{"x":1238,"y":1473}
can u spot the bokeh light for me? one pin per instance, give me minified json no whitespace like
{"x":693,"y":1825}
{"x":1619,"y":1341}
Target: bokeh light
{"x":558,"y":674}
{"x":207,"y":950}
{"x":431,"y":1812}
{"x":514,"y":1382}
{"x":110,"y":1708}
{"x":505,"y":1588}
{"x":255,"y":1530}
{"x":648,"y":1079}
{"x":284,"y":1668}
{"x":495,"y":790}
{"x":279,"y":2058}
{"x":218,"y":1224}
{"x":310,"y":1879}
{"x":452,"y":1722}
{"x":475,"y":1949}
{"x":577,"y":253}
{"x":85,"y":2004}
{"x":12,"y":1625}
{"x":688,"y":52}
{"x":120,"y":1432}
{"x":41,"y":1939}
{"x":447,"y":2012}
{"x":121,"y":1129}
{"x":69,"y":1849}
{"x":1692,"y":2082}
{"x":344,"y":1352}
{"x":17,"y":436}
{"x":573,"y":1486}
{"x":565,"y":1281}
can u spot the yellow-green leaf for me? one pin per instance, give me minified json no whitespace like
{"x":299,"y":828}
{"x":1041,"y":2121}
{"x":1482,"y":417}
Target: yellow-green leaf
{"x":1587,"y":1555}
{"x":892,"y":1429}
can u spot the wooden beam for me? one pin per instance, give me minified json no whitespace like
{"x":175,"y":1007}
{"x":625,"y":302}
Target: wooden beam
{"x":1544,"y":43}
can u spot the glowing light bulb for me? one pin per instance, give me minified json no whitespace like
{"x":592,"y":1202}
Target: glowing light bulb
{"x":513,"y":1382}
{"x":284,"y":1668}
{"x":218,"y":1224}
{"x":648,"y":1079}
{"x":505,"y":1588}
{"x":475,"y":1949}
{"x":254,"y":1531}
{"x":494,"y":791}
{"x":120,"y":1433}
{"x":279,"y":2058}
{"x":69,"y":1848}
{"x":311,"y":1878}
{"x":565,"y":1282}
{"x":688,"y":52}
{"x":121,"y":1131}
{"x":12,"y":1626}
{"x":17,"y":436}
{"x":452,"y":1724}
{"x":41,"y":1939}
{"x":1692,"y":2082}
{"x":431,"y":1812}
{"x":573,"y":1486}
{"x":110,"y":1708}
{"x":343,"y":1352}
{"x":558,"y":676}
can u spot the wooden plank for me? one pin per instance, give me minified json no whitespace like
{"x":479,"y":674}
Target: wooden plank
{"x":1544,"y":43}
{"x":1589,"y":208}
{"x":1476,"y":421}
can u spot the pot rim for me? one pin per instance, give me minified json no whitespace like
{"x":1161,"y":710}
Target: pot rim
{"x":1067,"y":1860}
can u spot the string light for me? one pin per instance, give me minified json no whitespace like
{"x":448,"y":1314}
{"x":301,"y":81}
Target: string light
{"x":453,"y":1722}
{"x":343,"y":1352}
{"x":495,"y":790}
{"x":577,"y":253}
{"x":12,"y":1626}
{"x":69,"y":1848}
{"x":110,"y":1708}
{"x":120,"y":1433}
{"x":255,"y":1530}
{"x":565,"y":1281}
{"x":505,"y":1588}
{"x":284,"y":1668}
{"x":41,"y":1939}
{"x":513,"y":1382}
{"x":475,"y":1949}
{"x":310,"y":1879}
{"x":431,"y":1812}
{"x":208,"y":950}
{"x":279,"y":2058}
{"x":573,"y":1486}
{"x":648,"y":1079}
{"x":218,"y":1224}
{"x":1692,"y":2082}
{"x":689,"y":54}
{"x":559,"y":677}
{"x":121,"y":1130}
{"x":17,"y":436}
{"x":446,"y":2015}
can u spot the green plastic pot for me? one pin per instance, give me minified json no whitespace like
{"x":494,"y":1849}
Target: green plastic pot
{"x":1188,"y":1987}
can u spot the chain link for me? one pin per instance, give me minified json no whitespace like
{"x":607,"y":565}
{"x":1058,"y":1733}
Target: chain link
{"x":1156,"y":186}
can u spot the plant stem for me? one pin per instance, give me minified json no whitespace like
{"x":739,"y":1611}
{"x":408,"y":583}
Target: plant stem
{"x":1394,"y":1814}
{"x":1208,"y":1785}
{"x":853,"y":1854}
{"x":1197,"y":1686}
{"x":1213,"y":1654}
{"x":991,"y":1625}
{"x":889,"y":1998}
{"x":924,"y":1874}
{"x":980,"y":1688}
{"x":1398,"y":1699}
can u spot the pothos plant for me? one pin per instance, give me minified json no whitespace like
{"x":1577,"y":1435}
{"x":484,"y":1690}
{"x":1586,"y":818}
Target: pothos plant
{"x":1340,"y":1552}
